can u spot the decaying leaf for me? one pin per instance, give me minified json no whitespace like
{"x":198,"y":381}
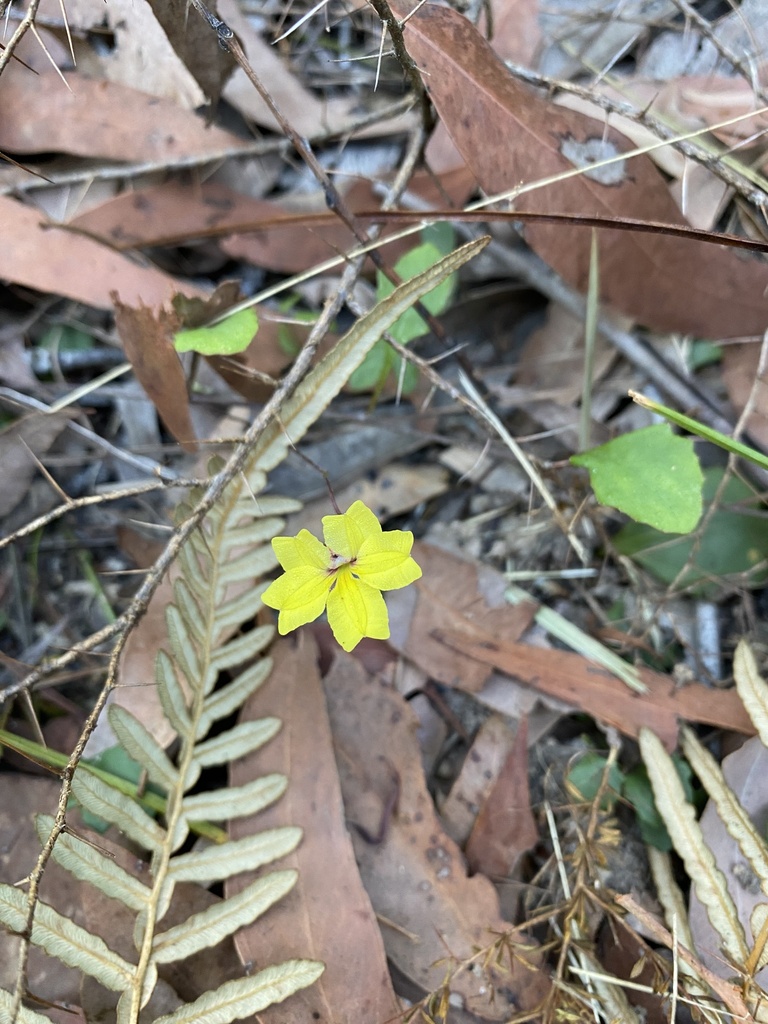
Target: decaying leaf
{"x":147,"y":337}
{"x":584,"y":685}
{"x":328,"y":912}
{"x":662,"y":282}
{"x":102,"y":119}
{"x":413,"y":872}
{"x":452,"y":593}
{"x":39,"y":255}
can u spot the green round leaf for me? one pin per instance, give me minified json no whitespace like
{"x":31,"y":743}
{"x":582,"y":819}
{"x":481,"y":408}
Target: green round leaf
{"x":652,"y":475}
{"x":231,"y":336}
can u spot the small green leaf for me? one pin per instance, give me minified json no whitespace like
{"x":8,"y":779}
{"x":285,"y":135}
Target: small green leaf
{"x":382,"y":359}
{"x":586,"y":776}
{"x":734,"y":543}
{"x":227,"y":338}
{"x":651,"y":474}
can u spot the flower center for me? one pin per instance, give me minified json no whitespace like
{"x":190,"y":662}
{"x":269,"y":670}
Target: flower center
{"x":337,"y":562}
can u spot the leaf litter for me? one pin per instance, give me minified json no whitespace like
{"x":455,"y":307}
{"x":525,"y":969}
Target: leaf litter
{"x":428,"y":863}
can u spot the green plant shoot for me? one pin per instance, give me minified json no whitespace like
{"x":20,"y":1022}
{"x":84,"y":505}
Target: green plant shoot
{"x":227,"y":338}
{"x":701,"y":430}
{"x":346,"y":575}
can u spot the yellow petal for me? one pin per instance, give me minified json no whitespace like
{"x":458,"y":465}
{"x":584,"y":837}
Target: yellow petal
{"x":356,"y":610}
{"x":342,"y":535}
{"x":303,"y":549}
{"x":300,"y":596}
{"x":363,"y":518}
{"x":384,"y":561}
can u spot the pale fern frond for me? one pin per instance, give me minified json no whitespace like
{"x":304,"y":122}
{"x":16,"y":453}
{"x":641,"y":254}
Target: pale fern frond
{"x":216,"y":597}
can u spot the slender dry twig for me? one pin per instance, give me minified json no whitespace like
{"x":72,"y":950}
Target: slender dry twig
{"x":72,"y":504}
{"x":725,"y":52}
{"x":21,"y":30}
{"x":410,"y":69}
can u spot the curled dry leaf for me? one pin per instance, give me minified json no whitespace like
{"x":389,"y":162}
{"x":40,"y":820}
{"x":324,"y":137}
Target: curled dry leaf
{"x":482,"y":766}
{"x":140,"y":50}
{"x":147,"y":337}
{"x":328,"y":915}
{"x":505,"y":828}
{"x":509,"y":135}
{"x":433,"y":915}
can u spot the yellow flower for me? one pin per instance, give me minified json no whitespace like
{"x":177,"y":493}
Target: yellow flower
{"x":346,"y":574}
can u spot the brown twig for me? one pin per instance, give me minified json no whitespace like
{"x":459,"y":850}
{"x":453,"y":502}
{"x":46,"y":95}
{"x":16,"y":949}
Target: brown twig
{"x":406,"y":62}
{"x":72,"y":504}
{"x":21,"y":30}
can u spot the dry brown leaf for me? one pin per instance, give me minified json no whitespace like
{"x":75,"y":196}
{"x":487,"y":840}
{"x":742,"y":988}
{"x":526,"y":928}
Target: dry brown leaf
{"x":479,"y":772}
{"x":430,"y":910}
{"x":196,"y":45}
{"x":147,"y":337}
{"x":452,"y":593}
{"x":505,"y":828}
{"x":101,"y":119}
{"x":516,"y":31}
{"x":140,"y":51}
{"x":584,"y":685}
{"x":176,"y":210}
{"x":327,"y":916}
{"x":509,"y":134}
{"x":22,"y":443}
{"x":693,"y":101}
{"x":41,"y":256}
